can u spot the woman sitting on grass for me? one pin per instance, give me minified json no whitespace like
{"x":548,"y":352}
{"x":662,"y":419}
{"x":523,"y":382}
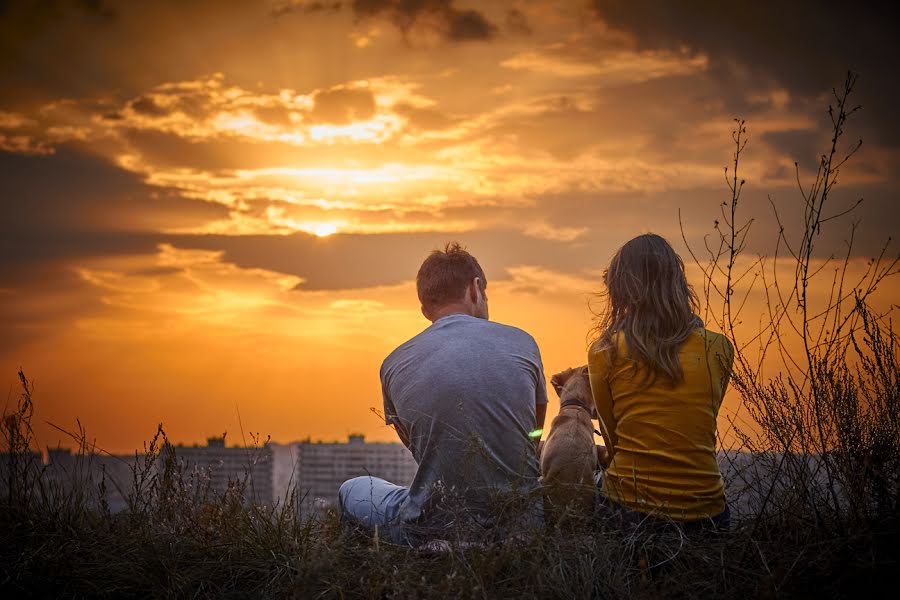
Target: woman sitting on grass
{"x":657,"y":377}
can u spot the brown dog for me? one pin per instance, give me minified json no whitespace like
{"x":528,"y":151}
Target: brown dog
{"x":569,"y":456}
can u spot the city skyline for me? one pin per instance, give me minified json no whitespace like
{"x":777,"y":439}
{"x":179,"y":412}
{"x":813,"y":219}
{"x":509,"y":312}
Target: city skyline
{"x":305,"y":473}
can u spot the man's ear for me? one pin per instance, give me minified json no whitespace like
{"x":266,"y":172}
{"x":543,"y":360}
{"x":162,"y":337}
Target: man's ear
{"x":472,"y":290}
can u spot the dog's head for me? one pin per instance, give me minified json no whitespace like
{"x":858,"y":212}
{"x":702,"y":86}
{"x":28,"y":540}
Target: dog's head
{"x":574,"y":389}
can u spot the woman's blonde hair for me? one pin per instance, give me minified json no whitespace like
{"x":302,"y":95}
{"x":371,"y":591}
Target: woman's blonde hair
{"x":651,"y":303}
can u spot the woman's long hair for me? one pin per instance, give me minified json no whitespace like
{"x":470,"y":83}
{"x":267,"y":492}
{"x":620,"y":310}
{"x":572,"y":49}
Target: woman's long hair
{"x":651,"y":303}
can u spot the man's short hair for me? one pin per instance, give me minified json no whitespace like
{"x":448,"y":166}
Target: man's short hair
{"x":444,"y":276}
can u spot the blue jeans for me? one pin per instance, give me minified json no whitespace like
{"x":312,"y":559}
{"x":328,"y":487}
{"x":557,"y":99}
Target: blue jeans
{"x":374,"y":503}
{"x":624,"y":518}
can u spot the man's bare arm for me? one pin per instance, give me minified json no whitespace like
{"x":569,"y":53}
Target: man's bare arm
{"x":540,"y":415}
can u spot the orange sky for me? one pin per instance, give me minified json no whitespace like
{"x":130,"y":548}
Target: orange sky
{"x":213,"y":212}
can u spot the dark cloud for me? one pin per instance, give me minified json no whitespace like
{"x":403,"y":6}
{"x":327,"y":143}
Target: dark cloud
{"x":468,"y":25}
{"x":287,"y":8}
{"x":802,"y":146}
{"x":75,"y":191}
{"x":147,"y":106}
{"x":663,"y":114}
{"x":333,"y":263}
{"x":97,"y":7}
{"x":70,"y":54}
{"x":343,"y":105}
{"x":517,"y":22}
{"x":424,"y":118}
{"x":454,"y":24}
{"x":34,"y":254}
{"x":36,"y":301}
{"x":275,"y":115}
{"x":29,"y":256}
{"x":42,"y":12}
{"x":31,"y":27}
{"x":63,"y":48}
{"x":166,"y":150}
{"x":356,"y":261}
{"x":806,"y":46}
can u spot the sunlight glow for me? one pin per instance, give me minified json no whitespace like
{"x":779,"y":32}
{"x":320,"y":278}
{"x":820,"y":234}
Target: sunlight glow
{"x":317,"y":228}
{"x":324,"y":229}
{"x":386,"y":174}
{"x":374,"y":130}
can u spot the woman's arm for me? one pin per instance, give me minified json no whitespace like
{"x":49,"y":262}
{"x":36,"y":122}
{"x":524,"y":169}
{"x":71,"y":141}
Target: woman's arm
{"x":598,"y":370}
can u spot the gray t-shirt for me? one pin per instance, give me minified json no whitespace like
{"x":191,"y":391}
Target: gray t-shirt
{"x":464,"y":390}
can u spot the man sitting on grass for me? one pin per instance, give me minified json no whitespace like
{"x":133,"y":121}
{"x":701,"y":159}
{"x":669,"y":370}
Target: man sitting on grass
{"x":464,"y":396}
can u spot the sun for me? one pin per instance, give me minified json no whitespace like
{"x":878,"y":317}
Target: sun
{"x":323,"y":229}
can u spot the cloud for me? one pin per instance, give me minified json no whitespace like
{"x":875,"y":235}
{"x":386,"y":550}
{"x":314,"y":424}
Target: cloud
{"x":438,"y":16}
{"x":342,"y":105}
{"x":304,"y":6}
{"x":35,"y":300}
{"x":72,"y":190}
{"x":208,"y":110}
{"x":412,"y":151}
{"x":517,"y":22}
{"x":805,"y":47}
{"x":803,"y":146}
{"x":144,"y":105}
{"x":468,"y":25}
{"x":145,"y":43}
{"x":425,"y":119}
{"x":24,"y":144}
{"x":18,"y":135}
{"x":41,"y":13}
{"x":545,"y":231}
{"x":452,"y":23}
{"x":610,"y":69}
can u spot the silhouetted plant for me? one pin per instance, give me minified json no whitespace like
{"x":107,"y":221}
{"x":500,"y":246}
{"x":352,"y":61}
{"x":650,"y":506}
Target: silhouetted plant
{"x":826,"y":424}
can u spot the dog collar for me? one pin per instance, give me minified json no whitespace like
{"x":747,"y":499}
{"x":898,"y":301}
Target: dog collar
{"x":568,"y":403}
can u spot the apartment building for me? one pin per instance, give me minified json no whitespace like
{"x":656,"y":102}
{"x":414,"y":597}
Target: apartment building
{"x":225,"y":467}
{"x":316,"y":470}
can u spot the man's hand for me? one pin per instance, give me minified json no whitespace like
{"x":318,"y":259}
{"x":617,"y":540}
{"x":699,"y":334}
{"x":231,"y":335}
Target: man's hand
{"x":573,"y":382}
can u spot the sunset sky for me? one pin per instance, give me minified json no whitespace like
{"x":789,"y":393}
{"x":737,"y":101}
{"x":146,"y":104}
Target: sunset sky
{"x":213,"y":211}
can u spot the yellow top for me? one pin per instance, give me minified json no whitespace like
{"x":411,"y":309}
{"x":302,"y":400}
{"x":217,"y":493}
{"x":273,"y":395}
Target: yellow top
{"x":662,"y":439}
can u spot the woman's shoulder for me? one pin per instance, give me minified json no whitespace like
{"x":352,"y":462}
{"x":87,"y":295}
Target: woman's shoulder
{"x":599,"y":355}
{"x":603,"y":344}
{"x":714,"y":342}
{"x":713,"y":337}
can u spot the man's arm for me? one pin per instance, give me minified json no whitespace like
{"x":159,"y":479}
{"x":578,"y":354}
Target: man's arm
{"x":540,"y":415}
{"x":540,"y":403}
{"x":390,"y":412}
{"x":401,"y":433}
